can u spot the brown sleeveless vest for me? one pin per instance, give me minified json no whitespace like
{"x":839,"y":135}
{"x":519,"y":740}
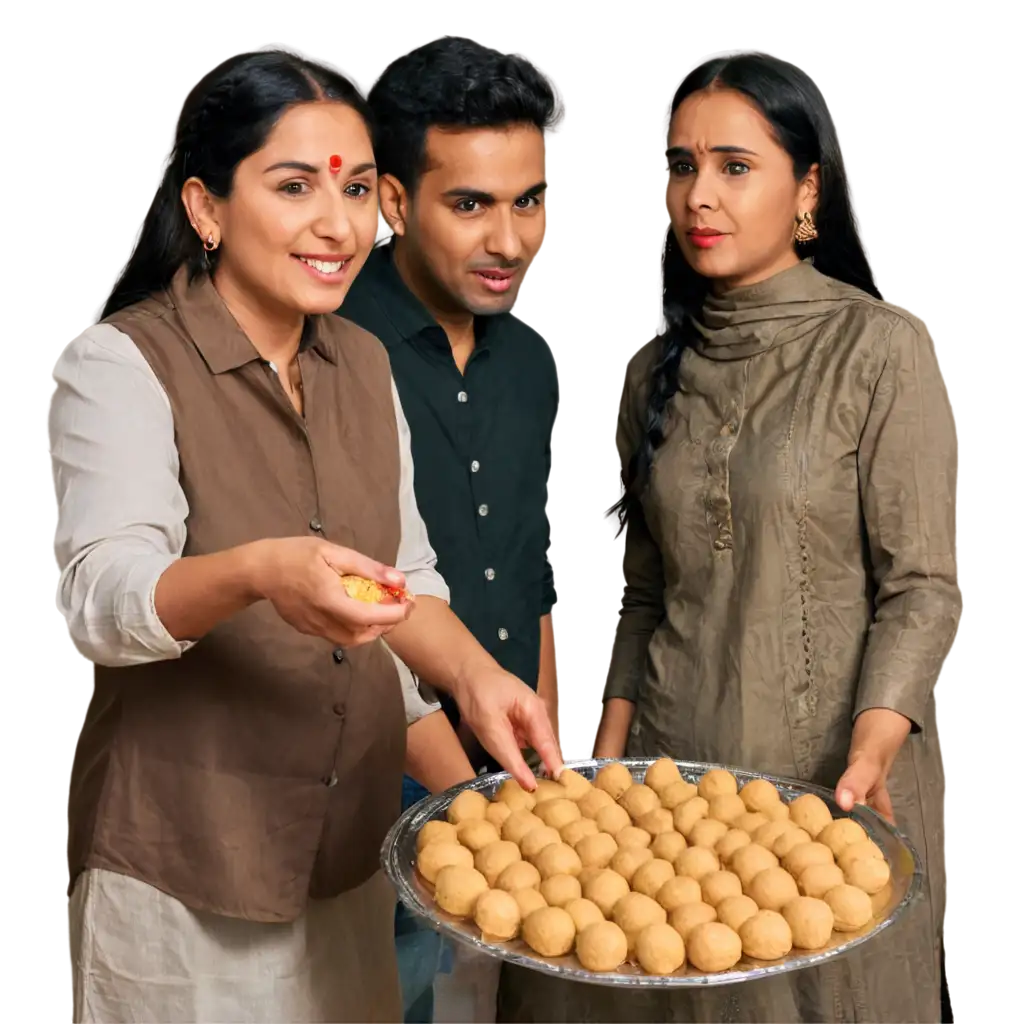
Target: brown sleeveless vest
{"x":263,"y":766}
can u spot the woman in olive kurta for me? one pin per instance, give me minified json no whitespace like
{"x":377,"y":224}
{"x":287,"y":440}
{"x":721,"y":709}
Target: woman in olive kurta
{"x":789,"y":458}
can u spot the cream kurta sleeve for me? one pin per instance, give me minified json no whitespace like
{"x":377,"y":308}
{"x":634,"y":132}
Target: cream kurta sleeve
{"x":643,"y":598}
{"x":907,"y":462}
{"x":122,"y":513}
{"x":416,"y":558}
{"x":120,"y":509}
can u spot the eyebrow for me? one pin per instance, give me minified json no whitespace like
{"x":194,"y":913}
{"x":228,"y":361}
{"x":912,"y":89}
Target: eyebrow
{"x":486,"y":199}
{"x":676,"y":151}
{"x":297,"y":165}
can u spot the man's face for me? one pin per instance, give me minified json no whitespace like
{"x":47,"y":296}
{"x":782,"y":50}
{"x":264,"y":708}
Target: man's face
{"x":476,"y":219}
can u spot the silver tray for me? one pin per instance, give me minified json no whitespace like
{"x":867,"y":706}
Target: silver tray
{"x":398,"y":857}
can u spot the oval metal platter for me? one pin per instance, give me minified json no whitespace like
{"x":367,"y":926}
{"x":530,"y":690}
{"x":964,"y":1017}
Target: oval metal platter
{"x":398,"y":857}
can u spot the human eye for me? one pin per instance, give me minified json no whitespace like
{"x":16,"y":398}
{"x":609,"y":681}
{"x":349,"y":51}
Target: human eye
{"x":680,"y":168}
{"x":357,"y":189}
{"x":295,"y":188}
{"x":467,"y":206}
{"x":527,"y":202}
{"x":736,"y":167}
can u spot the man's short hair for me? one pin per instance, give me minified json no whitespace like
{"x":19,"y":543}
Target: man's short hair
{"x":452,"y":83}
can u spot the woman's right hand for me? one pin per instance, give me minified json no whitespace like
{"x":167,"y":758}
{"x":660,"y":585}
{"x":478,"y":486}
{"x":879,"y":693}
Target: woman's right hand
{"x":300,"y":578}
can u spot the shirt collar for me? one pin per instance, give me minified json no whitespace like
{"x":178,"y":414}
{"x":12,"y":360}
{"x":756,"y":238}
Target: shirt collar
{"x":223,"y":345}
{"x":406,"y":314}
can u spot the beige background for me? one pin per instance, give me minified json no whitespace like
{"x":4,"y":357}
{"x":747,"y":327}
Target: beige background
{"x":83,"y":107}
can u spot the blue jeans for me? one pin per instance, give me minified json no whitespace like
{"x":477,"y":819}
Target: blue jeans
{"x":422,"y":953}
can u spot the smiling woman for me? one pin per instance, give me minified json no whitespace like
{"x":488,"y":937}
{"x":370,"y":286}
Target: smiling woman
{"x":241,"y":759}
{"x":248,"y":192}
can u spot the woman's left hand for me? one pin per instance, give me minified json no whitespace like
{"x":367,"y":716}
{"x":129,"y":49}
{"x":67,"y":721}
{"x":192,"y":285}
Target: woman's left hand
{"x":863,"y":782}
{"x":878,"y":735}
{"x":507,"y":717}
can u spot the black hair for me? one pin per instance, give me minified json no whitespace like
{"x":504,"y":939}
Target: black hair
{"x":796,"y":111}
{"x":226,"y":117}
{"x":452,"y":83}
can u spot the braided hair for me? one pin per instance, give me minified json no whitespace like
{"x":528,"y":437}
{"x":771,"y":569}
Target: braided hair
{"x":225,"y":118}
{"x":796,"y":111}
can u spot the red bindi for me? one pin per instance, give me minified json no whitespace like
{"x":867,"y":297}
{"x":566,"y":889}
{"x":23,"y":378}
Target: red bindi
{"x":334,"y":163}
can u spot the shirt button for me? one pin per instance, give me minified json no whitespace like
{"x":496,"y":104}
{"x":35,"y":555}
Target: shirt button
{"x":719,"y":545}
{"x":483,"y":510}
{"x":338,"y":655}
{"x":489,"y":573}
{"x":463,"y":397}
{"x":330,"y":781}
{"x":474,"y":466}
{"x":339,"y":710}
{"x":503,"y":633}
{"x":315,"y":525}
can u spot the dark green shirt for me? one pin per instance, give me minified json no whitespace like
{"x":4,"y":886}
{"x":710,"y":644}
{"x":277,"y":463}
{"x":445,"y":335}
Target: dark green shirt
{"x":481,"y":445}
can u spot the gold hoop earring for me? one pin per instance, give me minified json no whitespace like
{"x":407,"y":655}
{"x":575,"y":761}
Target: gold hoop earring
{"x":805,"y":230}
{"x":209,"y":245}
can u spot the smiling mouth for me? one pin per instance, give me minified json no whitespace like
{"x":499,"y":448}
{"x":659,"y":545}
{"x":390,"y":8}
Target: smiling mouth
{"x":324,"y":266}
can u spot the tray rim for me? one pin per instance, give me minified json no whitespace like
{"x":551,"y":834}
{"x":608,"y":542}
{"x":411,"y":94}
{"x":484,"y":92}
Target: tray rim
{"x":439,"y":802}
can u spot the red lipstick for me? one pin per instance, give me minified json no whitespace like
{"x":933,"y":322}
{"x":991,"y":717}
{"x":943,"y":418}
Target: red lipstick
{"x":704,"y":238}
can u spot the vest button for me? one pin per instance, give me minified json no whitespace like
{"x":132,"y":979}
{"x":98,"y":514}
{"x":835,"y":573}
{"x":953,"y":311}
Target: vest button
{"x":339,"y":710}
{"x":330,"y":781}
{"x":338,"y":655}
{"x":315,"y":525}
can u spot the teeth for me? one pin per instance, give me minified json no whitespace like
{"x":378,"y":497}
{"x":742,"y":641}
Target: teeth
{"x":325,"y":268}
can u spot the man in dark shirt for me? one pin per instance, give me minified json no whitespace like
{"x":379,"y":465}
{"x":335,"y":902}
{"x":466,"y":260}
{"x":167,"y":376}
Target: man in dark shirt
{"x":459,"y":142}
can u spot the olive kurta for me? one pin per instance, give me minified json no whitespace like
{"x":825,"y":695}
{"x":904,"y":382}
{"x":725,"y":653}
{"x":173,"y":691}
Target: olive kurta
{"x":793,"y":566}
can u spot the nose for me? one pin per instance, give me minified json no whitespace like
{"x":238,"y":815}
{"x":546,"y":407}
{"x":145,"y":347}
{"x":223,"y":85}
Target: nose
{"x":702,"y":194}
{"x":333,"y":216}
{"x":503,"y":236}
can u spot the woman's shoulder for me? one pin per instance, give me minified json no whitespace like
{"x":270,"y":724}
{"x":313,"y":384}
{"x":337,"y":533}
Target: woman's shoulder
{"x":883,"y":319}
{"x":101,"y":347}
{"x":876,"y":336}
{"x":103,"y":378}
{"x":345,"y":337}
{"x":361,"y":353}
{"x":641,"y":364}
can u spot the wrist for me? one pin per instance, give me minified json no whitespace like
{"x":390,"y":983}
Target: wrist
{"x":878,"y":734}
{"x":468,"y":671}
{"x":256,"y":569}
